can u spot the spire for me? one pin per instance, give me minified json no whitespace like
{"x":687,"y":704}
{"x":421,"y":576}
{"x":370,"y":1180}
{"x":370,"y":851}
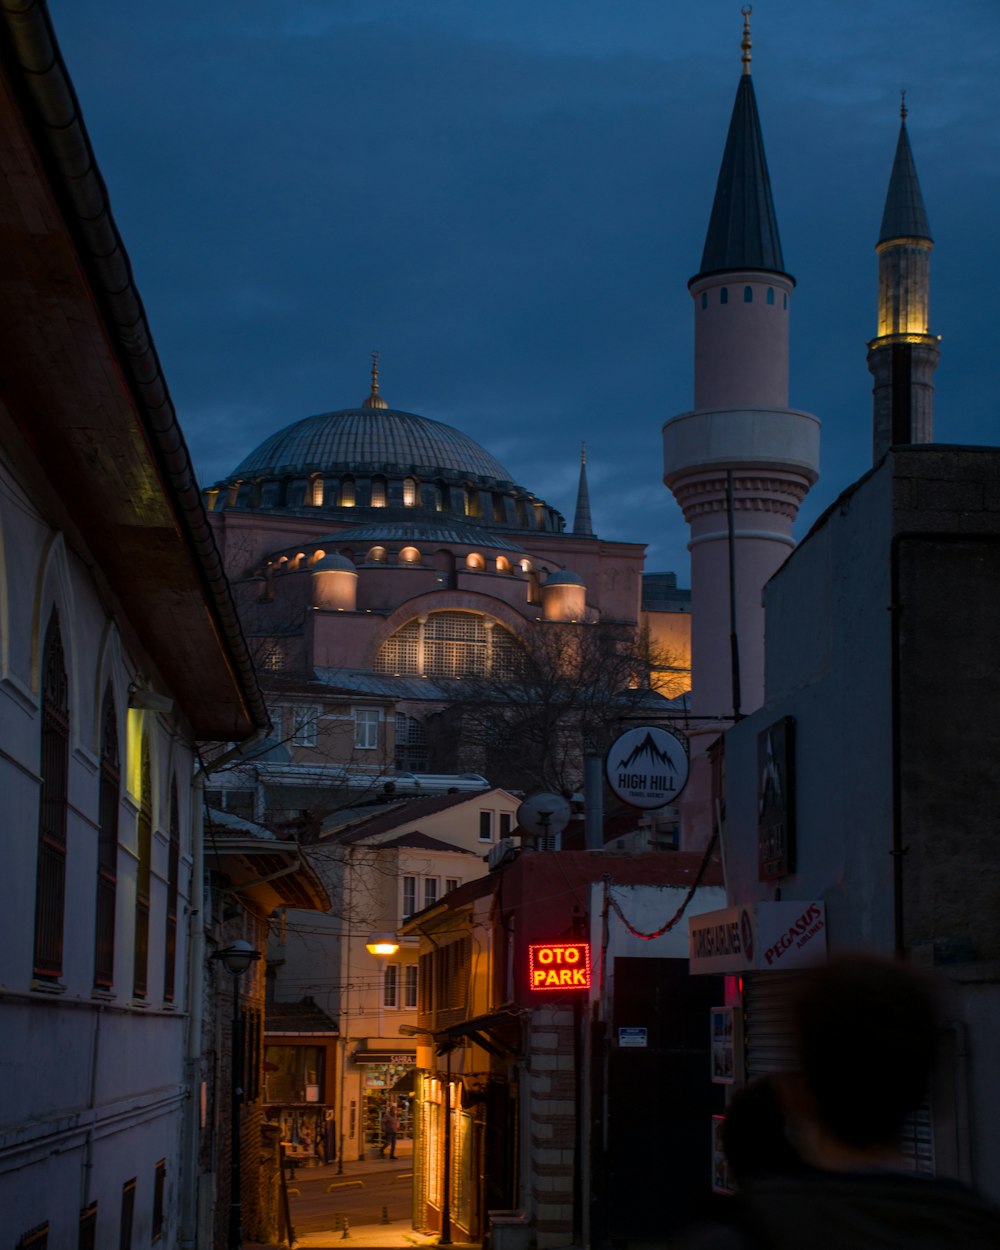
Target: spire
{"x":743,"y":230}
{"x":905,"y":216}
{"x":582,"y":523}
{"x":374,"y":400}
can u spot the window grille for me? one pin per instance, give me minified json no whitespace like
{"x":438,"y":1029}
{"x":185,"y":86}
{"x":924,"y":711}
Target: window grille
{"x":128,"y":1212}
{"x":366,"y":728}
{"x":347,"y":496}
{"x":430,"y":891}
{"x":304,"y":726}
{"x":108,"y":802}
{"x":87,"y":1239}
{"x":410,"y":986}
{"x":378,"y":492}
{"x":411,"y":495}
{"x":409,"y":897}
{"x":390,"y":986}
{"x":159,"y":1184}
{"x":50,"y":884}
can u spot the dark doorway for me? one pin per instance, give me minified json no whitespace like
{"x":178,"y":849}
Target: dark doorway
{"x":660,"y":1098}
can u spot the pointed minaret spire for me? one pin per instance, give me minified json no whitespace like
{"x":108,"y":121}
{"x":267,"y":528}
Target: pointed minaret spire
{"x":743,"y":228}
{"x":582,"y":523}
{"x":374,"y":400}
{"x":903,"y":356}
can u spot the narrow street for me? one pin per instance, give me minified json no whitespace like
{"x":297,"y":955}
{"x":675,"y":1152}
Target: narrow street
{"x":372,"y":1195}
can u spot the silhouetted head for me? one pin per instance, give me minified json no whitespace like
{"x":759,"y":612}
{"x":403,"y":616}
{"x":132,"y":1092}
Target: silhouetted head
{"x":866,"y":1030}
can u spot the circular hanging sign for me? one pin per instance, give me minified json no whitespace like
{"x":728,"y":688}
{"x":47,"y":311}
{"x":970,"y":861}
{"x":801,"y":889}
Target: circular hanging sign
{"x":647,"y":766}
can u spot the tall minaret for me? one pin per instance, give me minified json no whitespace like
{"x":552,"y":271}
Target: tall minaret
{"x":903,"y":357}
{"x":582,"y":523}
{"x":741,"y":462}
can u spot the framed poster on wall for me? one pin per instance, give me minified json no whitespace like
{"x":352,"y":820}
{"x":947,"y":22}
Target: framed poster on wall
{"x":726,"y":1046}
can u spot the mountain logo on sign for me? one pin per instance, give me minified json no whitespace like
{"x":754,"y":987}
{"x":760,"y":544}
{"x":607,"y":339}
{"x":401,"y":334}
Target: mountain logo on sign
{"x":647,"y":747}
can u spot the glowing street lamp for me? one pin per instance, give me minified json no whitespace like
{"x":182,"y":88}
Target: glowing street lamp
{"x":382,"y":944}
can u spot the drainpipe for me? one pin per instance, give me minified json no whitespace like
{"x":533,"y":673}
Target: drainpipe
{"x":197,"y":922}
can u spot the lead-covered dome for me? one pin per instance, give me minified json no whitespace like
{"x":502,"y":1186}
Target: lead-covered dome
{"x":370,"y":440}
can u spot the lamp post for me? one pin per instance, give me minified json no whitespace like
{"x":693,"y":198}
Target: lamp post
{"x":444,"y":1043}
{"x":383,"y":945}
{"x":236,"y":958}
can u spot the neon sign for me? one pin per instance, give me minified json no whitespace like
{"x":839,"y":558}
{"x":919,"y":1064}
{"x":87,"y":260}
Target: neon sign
{"x":559,"y":966}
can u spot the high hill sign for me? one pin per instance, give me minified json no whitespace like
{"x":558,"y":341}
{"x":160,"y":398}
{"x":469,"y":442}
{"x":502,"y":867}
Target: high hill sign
{"x":647,"y":767}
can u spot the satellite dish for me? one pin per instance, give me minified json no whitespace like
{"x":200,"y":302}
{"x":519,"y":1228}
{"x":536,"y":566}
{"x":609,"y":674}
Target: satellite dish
{"x":545,"y":816}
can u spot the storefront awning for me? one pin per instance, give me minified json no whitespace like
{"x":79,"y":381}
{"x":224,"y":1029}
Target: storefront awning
{"x":499,"y":1033}
{"x":385,"y":1056}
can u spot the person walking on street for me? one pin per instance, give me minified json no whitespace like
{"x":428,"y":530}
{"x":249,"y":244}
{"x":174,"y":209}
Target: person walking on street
{"x":390,"y":1128}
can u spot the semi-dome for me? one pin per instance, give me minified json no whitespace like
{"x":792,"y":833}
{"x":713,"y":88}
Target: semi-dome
{"x":563,"y":577}
{"x":435,"y":531}
{"x":370,"y":440}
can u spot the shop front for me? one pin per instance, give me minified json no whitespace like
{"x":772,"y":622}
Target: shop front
{"x":386,"y":1077}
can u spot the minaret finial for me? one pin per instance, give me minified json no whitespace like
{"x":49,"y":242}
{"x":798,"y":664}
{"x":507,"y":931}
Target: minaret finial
{"x":747,"y":42}
{"x":375,"y":400}
{"x":583,"y":453}
{"x":904,"y":112}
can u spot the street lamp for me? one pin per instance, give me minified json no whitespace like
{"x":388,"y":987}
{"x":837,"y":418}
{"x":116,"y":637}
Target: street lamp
{"x":236,"y":958}
{"x":445,"y":1043}
{"x":382,"y":944}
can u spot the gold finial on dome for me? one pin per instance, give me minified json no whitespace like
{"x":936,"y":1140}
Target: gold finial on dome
{"x":374,"y":400}
{"x":747,"y":42}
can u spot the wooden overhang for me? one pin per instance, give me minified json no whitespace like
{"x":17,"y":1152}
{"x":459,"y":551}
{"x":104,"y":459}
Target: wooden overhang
{"x":267,"y":874}
{"x":85,"y":414}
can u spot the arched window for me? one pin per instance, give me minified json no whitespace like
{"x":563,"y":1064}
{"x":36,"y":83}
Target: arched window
{"x":471,"y":501}
{"x":724,"y":295}
{"x":525,"y":566}
{"x":411,"y":492}
{"x":409,"y":555}
{"x":378,"y":492}
{"x":475,"y":561}
{"x":449,"y":644}
{"x":173,"y":874}
{"x":376,"y":555}
{"x":144,"y":854}
{"x":770,"y":294}
{"x":50,"y":881}
{"x":503,"y":564}
{"x":317,"y":555}
{"x":108,"y":806}
{"x":347,"y":494}
{"x":748,"y":295}
{"x":315,"y":493}
{"x":440,"y":497}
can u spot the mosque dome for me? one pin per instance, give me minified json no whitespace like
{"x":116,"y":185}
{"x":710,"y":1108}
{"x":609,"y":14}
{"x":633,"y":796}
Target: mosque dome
{"x":334,"y":563}
{"x":358,"y":464}
{"x":564,"y":577}
{"x":359,"y":440}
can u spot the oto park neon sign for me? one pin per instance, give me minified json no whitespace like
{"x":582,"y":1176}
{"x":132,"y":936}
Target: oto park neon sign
{"x":559,"y":966}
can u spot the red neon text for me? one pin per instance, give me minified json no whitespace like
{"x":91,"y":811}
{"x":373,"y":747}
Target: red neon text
{"x":559,"y":966}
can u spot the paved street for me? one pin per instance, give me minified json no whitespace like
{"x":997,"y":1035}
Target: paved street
{"x":372,"y":1194}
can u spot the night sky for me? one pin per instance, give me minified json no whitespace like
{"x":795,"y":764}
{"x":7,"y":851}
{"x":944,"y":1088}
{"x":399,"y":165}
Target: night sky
{"x":507,"y":200}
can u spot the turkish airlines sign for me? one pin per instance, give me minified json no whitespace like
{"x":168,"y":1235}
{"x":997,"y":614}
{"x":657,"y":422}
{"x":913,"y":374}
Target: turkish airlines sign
{"x":758,"y":937}
{"x":559,"y":966}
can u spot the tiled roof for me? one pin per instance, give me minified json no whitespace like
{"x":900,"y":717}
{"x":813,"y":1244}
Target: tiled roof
{"x":301,"y":1017}
{"x":406,"y":813}
{"x":424,"y":842}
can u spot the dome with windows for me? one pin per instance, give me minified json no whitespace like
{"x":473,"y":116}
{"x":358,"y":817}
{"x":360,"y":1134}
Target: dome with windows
{"x":375,"y":461}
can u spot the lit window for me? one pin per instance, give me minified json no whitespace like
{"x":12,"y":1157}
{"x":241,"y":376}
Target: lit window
{"x":770,"y":294}
{"x":475,"y":561}
{"x":449,"y":644}
{"x":173,"y":876}
{"x":294,"y":1074}
{"x":409,"y":555}
{"x":144,"y":871}
{"x":525,"y":566}
{"x":748,"y":295}
{"x":304,"y":726}
{"x":411,"y":492}
{"x":272,"y":657}
{"x":376,"y":555}
{"x":471,"y":501}
{"x":390,"y":986}
{"x":366,"y":721}
{"x":503,"y":564}
{"x":409,"y":897}
{"x":316,"y":492}
{"x":724,"y":295}
{"x":430,"y":891}
{"x":317,"y":555}
{"x":485,"y":826}
{"x":410,"y":985}
{"x":378,"y":492}
{"x":347,"y":496}
{"x":439,"y":497}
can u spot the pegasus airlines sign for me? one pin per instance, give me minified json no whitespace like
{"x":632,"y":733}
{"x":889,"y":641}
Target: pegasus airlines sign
{"x":559,"y":966}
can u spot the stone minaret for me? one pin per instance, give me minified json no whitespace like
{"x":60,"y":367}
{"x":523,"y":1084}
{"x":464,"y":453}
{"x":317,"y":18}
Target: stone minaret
{"x":903,"y":357}
{"x":740,"y":463}
{"x":582,"y":524}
